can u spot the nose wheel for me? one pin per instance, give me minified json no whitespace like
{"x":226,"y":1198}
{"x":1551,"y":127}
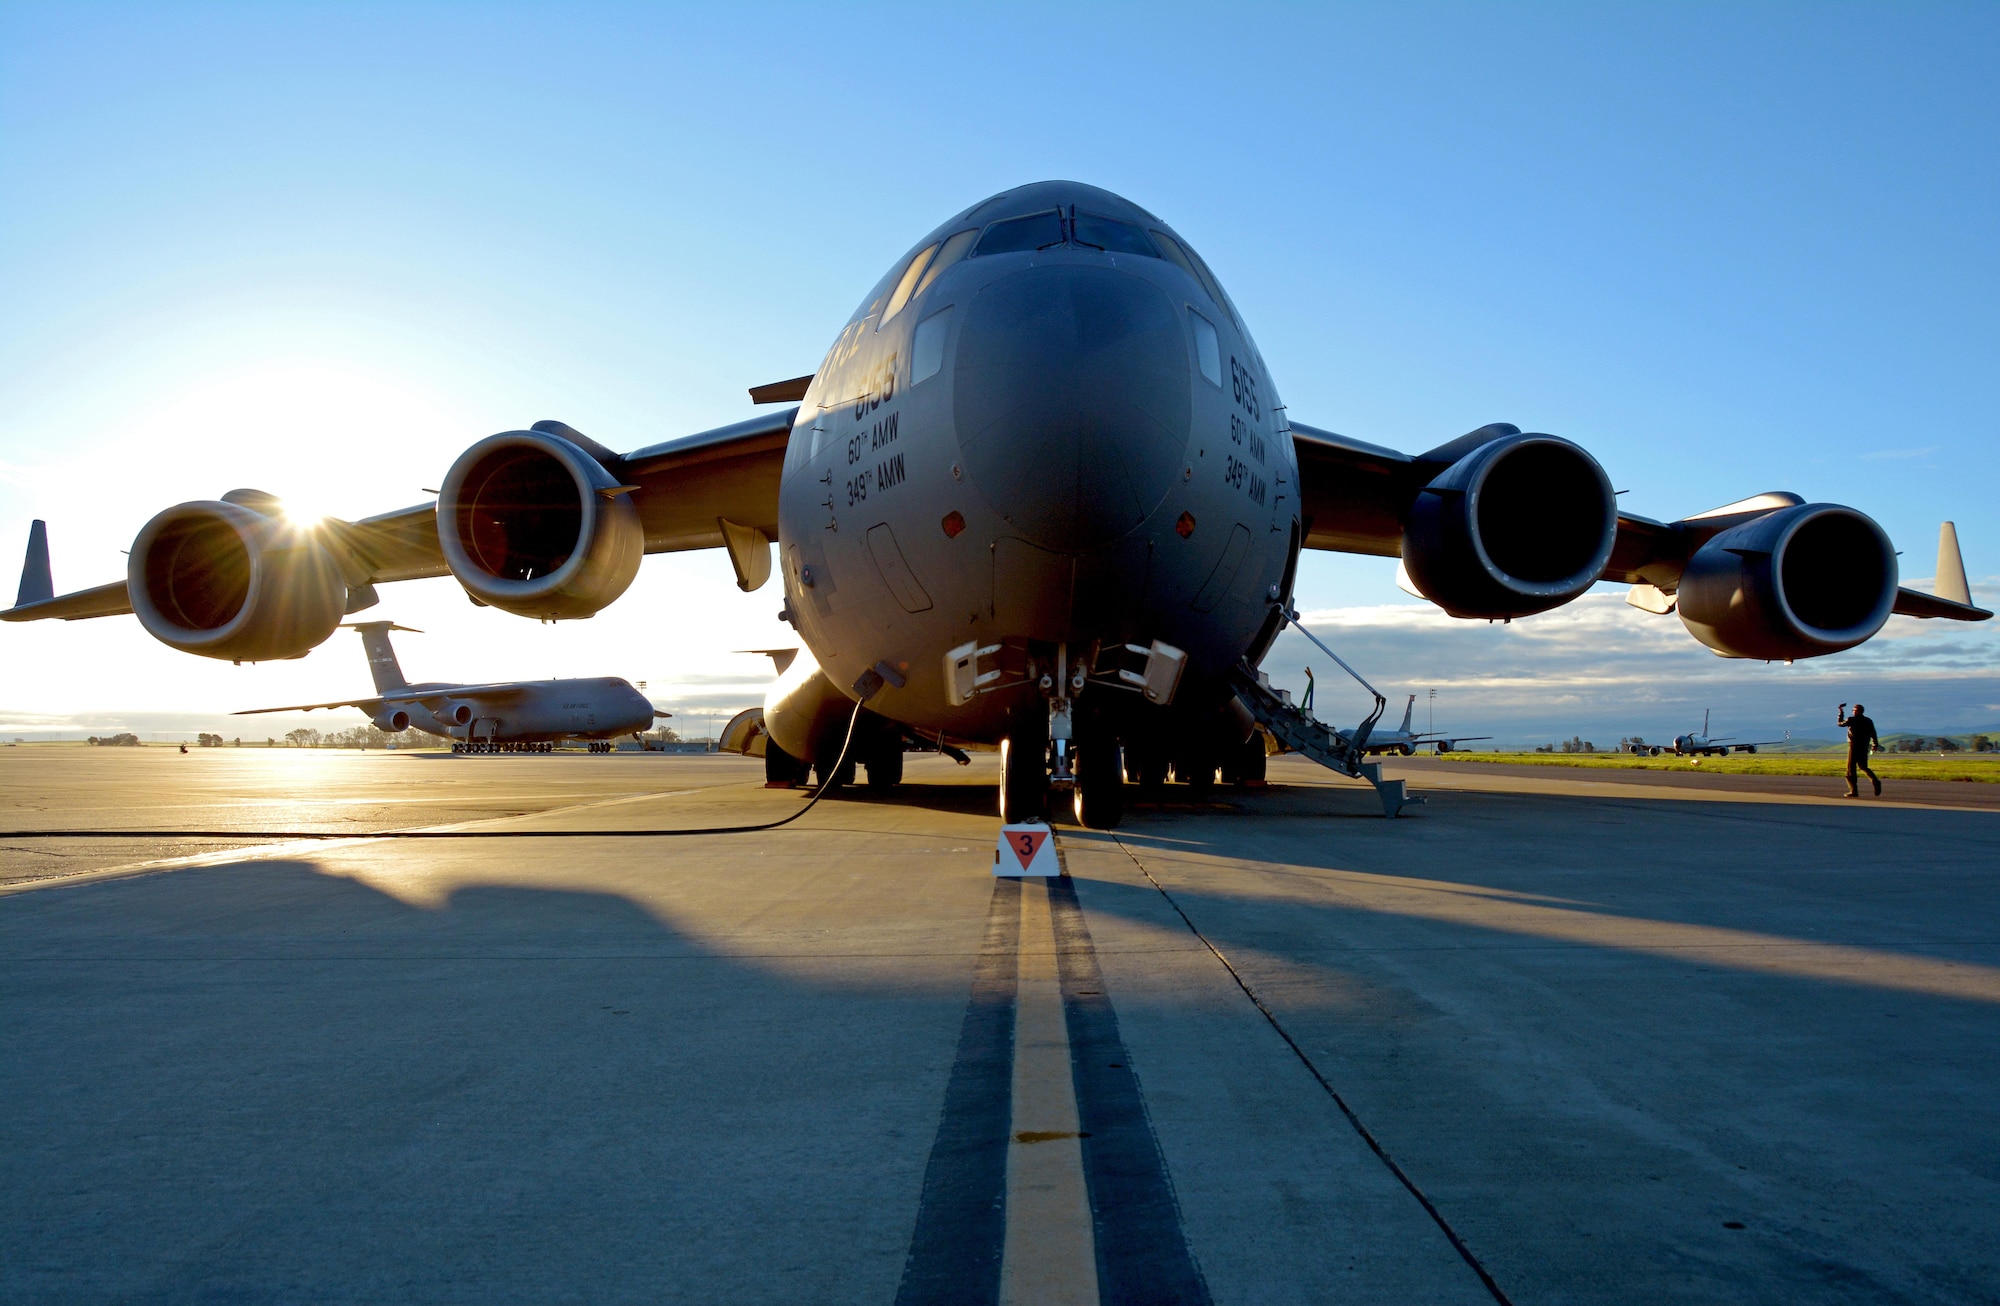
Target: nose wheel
{"x":1100,"y":784}
{"x":1024,"y":776}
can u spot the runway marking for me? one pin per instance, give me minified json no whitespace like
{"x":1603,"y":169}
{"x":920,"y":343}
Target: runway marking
{"x":1142,"y":1251}
{"x":257,"y":852}
{"x":1368,"y":1137}
{"x":1051,"y":1254}
{"x":1045,"y":1183}
{"x":961,"y":1230}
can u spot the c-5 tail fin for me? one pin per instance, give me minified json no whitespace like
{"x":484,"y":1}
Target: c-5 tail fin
{"x":37,"y":584}
{"x":1950,"y":569}
{"x":381,"y":656}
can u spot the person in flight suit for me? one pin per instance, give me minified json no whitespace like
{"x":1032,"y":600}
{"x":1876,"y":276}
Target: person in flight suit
{"x":1861,"y":739}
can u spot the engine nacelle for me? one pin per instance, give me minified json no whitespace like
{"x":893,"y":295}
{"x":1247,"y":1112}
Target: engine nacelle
{"x":1520,"y":525}
{"x":1797,"y":583}
{"x":533,"y":525}
{"x":219,"y":579}
{"x":394,"y":721}
{"x":458,"y":712}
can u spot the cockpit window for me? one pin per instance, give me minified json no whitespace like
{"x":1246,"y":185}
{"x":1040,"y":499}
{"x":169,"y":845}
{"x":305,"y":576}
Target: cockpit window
{"x":1036,"y":231}
{"x":1110,"y":235}
{"x":1177,"y":254}
{"x":906,"y":286}
{"x":953,"y":249}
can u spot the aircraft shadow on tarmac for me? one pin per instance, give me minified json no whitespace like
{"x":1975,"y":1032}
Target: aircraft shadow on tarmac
{"x":1794,"y":1029}
{"x":1667,"y":860}
{"x":274,"y":1080}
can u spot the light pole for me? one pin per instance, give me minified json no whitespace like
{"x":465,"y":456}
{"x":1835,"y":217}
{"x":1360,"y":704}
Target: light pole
{"x":1434,"y":711}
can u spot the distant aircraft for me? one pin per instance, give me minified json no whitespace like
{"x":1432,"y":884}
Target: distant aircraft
{"x":518,"y":716}
{"x":1400,"y":740}
{"x":1040,"y":492}
{"x":1706,"y":745}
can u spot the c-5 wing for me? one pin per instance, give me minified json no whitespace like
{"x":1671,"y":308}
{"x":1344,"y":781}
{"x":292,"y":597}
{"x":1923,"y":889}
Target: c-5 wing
{"x":428,"y":695}
{"x":369,"y":705}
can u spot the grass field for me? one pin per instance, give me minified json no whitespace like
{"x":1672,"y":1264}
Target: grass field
{"x":1901,"y":766}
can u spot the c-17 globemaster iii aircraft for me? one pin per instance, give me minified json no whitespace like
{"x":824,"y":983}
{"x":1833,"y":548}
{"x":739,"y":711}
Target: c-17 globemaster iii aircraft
{"x":1041,"y":493}
{"x":516,"y":716}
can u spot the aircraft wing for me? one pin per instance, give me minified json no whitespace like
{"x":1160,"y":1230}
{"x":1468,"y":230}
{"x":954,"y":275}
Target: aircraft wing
{"x":368,"y":705}
{"x":685,"y":489}
{"x":1357,"y":497}
{"x":439,"y":694}
{"x":104,"y":601}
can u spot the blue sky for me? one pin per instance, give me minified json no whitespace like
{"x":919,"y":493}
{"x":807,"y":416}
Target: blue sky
{"x":321,"y":248}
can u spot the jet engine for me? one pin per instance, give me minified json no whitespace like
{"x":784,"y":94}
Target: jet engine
{"x":394,"y":722}
{"x":532,"y":524}
{"x":1797,"y":583}
{"x":1520,"y":525}
{"x":456,"y":713}
{"x":223,"y":580}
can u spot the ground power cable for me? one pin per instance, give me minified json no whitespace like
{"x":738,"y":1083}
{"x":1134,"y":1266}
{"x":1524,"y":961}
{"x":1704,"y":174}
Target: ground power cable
{"x":826,"y":786}
{"x":1374,"y":1145}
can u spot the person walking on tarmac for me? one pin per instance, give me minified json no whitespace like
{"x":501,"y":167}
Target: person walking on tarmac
{"x":1861,"y":739}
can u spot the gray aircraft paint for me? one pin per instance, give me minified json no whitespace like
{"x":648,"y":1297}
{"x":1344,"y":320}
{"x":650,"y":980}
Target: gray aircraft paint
{"x":510,"y":712}
{"x":1069,"y":407}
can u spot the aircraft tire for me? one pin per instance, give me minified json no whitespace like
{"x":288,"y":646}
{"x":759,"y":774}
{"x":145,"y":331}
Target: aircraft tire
{"x":781,"y":767}
{"x":1100,"y":785}
{"x":1024,"y":780}
{"x":1196,"y":770}
{"x":1251,"y":760}
{"x":885,"y":765}
{"x":1750,"y":748}
{"x":823,"y":768}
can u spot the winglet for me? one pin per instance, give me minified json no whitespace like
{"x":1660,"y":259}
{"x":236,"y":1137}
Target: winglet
{"x":37,"y":585}
{"x":1950,"y":566}
{"x":781,"y":392}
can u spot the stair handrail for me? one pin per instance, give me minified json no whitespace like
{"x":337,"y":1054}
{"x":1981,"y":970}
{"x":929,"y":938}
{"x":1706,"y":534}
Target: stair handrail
{"x":1358,"y":747}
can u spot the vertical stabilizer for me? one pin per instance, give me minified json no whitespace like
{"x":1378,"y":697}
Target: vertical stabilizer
{"x":1408,"y":708}
{"x":37,"y":584}
{"x":1704,"y":723}
{"x":1950,"y":569}
{"x":381,"y":657}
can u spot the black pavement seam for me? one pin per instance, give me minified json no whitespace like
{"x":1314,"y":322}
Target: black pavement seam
{"x":1374,"y":1145}
{"x":1142,"y":1251}
{"x":961,"y":1229}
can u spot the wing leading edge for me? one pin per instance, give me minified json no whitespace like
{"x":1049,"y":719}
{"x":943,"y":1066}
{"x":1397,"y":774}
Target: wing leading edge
{"x":688,"y":491}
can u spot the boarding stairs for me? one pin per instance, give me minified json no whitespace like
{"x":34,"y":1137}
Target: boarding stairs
{"x":1297,"y":729}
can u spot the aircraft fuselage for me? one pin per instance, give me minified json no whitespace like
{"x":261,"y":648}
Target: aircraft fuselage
{"x":1048,"y":446}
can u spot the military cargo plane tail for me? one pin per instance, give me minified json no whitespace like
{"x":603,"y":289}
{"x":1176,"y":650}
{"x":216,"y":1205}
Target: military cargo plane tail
{"x":382,"y":662}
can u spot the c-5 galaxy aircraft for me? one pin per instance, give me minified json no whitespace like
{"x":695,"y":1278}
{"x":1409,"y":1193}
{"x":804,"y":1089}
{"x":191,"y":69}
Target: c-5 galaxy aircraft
{"x":517,"y":716}
{"x":1040,"y":493}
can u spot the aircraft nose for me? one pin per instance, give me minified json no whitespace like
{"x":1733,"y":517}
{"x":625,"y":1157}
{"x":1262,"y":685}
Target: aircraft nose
{"x":1071,"y":401}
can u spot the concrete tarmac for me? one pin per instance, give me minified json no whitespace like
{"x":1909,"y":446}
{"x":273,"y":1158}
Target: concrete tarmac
{"x":1544,"y":1040}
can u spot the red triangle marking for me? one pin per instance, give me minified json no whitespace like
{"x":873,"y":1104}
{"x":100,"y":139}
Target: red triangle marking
{"x":1026,"y":843}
